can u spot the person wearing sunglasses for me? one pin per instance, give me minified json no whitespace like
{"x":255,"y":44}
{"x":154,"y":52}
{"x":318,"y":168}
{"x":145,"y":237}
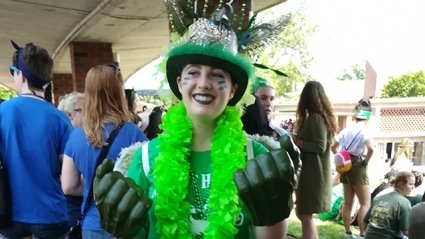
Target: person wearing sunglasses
{"x":104,"y":110}
{"x":33,"y":134}
{"x":72,"y":105}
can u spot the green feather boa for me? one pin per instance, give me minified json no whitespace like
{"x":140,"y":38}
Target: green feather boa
{"x":171,"y":175}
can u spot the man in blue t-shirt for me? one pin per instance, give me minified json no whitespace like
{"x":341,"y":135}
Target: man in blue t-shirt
{"x":33,"y":134}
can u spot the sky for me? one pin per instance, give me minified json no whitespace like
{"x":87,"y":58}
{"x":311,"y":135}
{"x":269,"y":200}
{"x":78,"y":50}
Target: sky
{"x":388,"y":34}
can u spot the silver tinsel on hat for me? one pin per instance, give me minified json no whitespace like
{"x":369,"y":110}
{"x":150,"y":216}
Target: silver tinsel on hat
{"x":204,"y":32}
{"x":223,"y":27}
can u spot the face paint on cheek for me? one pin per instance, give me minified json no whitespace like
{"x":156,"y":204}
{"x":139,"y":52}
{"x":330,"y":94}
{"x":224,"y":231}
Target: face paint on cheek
{"x":222,"y":86}
{"x":185,"y":80}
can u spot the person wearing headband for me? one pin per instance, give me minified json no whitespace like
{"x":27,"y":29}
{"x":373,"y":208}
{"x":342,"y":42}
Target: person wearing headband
{"x":356,"y":139}
{"x":198,"y":179}
{"x":264,"y":91}
{"x":33,"y":134}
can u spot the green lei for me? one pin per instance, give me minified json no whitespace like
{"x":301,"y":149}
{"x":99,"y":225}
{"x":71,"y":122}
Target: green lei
{"x":171,"y":175}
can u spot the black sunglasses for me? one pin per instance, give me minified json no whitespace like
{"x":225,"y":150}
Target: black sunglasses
{"x":116,"y":68}
{"x":13,"y":69}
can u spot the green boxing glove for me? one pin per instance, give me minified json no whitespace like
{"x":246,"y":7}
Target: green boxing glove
{"x":287,"y":143}
{"x":266,"y":185}
{"x":122,"y":205}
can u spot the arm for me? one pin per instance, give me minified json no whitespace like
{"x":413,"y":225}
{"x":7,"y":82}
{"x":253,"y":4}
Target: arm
{"x":334,"y":147}
{"x":70,"y":178}
{"x":404,"y":218}
{"x":318,"y":141}
{"x":369,"y":147}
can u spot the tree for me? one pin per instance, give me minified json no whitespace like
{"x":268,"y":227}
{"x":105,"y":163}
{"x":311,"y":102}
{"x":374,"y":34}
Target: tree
{"x":407,"y":85}
{"x":6,"y":93}
{"x":288,"y":54}
{"x":154,"y":99}
{"x":356,"y":73}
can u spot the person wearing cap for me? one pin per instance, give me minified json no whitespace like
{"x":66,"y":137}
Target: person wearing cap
{"x":264,"y":90}
{"x":356,"y":181}
{"x":33,"y":134}
{"x":195,"y":180}
{"x":257,"y":124}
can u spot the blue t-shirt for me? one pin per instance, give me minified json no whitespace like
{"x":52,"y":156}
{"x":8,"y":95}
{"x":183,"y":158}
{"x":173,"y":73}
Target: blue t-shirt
{"x":33,"y":136}
{"x":85,"y":155}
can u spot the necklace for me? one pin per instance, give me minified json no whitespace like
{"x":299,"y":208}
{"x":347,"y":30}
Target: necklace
{"x":32,"y":94}
{"x":199,"y":201}
{"x":171,"y":175}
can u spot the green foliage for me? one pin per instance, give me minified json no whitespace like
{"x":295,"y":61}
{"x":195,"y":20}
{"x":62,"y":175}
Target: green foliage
{"x":407,"y":85}
{"x":154,"y":99}
{"x":356,"y":73}
{"x":326,"y":229}
{"x":6,"y":93}
{"x":289,"y":54}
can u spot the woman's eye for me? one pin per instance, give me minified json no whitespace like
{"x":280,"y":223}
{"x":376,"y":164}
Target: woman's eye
{"x":217,"y":75}
{"x":192,"y":73}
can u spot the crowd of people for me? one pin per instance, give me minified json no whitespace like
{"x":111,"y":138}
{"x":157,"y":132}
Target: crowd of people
{"x":202,"y":168}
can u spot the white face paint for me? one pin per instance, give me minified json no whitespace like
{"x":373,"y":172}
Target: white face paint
{"x":205,"y":91}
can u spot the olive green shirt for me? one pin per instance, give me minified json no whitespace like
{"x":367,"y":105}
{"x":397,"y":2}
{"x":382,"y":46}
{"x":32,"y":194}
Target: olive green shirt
{"x":314,"y":191}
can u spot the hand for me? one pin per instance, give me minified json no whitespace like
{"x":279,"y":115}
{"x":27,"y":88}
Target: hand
{"x":122,"y":205}
{"x":266,"y":185}
{"x":364,"y":163}
{"x":287,"y":143}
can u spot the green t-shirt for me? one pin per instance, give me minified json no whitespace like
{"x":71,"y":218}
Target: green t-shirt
{"x":388,"y":216}
{"x":201,"y":167}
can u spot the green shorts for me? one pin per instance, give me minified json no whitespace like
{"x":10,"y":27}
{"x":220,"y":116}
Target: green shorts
{"x":357,"y":175}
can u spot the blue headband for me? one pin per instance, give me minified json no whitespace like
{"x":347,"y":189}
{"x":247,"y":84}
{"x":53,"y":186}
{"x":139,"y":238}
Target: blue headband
{"x":36,"y":81}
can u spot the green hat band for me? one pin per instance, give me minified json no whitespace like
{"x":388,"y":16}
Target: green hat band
{"x":363,"y":114}
{"x":260,"y":82}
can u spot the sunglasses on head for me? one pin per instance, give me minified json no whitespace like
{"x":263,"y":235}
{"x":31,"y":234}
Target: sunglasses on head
{"x":116,"y":68}
{"x":13,"y":69}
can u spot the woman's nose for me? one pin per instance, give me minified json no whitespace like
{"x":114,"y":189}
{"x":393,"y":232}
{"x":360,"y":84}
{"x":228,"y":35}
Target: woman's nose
{"x":204,"y":82}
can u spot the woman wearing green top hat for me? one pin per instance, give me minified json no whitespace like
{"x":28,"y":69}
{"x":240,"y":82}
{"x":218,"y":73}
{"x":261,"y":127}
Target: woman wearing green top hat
{"x":356,"y":139}
{"x":198,"y":179}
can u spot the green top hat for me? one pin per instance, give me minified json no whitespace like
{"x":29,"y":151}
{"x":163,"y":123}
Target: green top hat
{"x":209,"y":44}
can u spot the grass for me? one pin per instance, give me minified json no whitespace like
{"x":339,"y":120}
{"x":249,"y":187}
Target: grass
{"x":326,"y":229}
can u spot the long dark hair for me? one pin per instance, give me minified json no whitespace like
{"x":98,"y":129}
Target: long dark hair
{"x":130,"y":96}
{"x":155,"y":119}
{"x":313,"y":99}
{"x":255,"y":120}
